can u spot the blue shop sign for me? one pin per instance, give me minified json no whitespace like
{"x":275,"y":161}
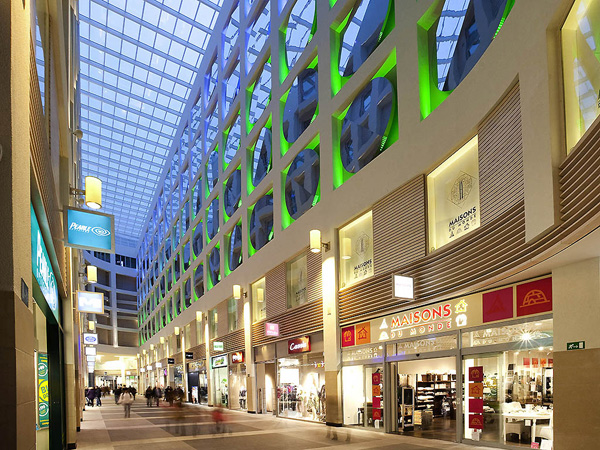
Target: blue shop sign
{"x":42,"y":267}
{"x":89,"y":230}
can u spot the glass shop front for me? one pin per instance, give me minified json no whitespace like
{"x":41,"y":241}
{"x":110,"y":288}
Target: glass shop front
{"x":475,"y":368}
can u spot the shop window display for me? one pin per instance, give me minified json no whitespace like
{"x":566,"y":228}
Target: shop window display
{"x":517,"y":387}
{"x":237,"y":378}
{"x":301,"y":387}
{"x":581,"y":68}
{"x":363,"y":395}
{"x":219,"y":376}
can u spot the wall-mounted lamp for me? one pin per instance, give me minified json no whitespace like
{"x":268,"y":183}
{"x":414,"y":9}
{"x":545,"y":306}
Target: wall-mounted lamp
{"x":91,"y":325}
{"x":78,"y":133}
{"x":92,"y":274}
{"x":315,"y":242}
{"x":346,"y":248}
{"x":151,"y":346}
{"x":176,"y":331}
{"x":92,"y":192}
{"x":144,"y":351}
{"x":162,"y":339}
{"x":237,"y":292}
{"x":198,"y":316}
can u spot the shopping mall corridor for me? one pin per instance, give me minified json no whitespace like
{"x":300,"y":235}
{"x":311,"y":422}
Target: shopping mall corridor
{"x":192,"y":427}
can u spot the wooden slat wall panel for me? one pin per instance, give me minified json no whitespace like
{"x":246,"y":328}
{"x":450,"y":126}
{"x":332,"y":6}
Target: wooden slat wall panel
{"x":42,"y":166}
{"x":307,"y":318}
{"x":275,"y":291}
{"x":314,"y":263}
{"x":222,"y":325}
{"x":501,"y":158}
{"x":399,"y":226}
{"x":232,"y":342}
{"x":199,"y":351}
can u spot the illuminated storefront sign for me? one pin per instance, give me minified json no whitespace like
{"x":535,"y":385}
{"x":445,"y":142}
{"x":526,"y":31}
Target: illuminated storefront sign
{"x":403,"y":287}
{"x":90,"y":338}
{"x":237,"y":357}
{"x":90,"y":351}
{"x":43,"y":393}
{"x":533,"y":297}
{"x":299,"y":345}
{"x":42,"y":267}
{"x":189,"y":355}
{"x":271,"y":329}
{"x":218,"y":361}
{"x":89,"y":230}
{"x":90,"y":302}
{"x":218,"y":346}
{"x":170,"y":360}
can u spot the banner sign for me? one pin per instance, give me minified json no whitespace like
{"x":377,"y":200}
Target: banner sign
{"x":299,"y":345}
{"x":43,"y":393}
{"x":42,"y":267}
{"x":218,"y":361}
{"x":90,"y":302}
{"x":89,"y":230}
{"x":237,"y":357}
{"x":90,"y":338}
{"x":476,"y":373}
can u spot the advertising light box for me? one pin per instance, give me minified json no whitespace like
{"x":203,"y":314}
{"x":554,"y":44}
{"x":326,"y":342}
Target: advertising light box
{"x":90,"y":302}
{"x":89,"y":351}
{"x":90,"y":338}
{"x":89,"y":230}
{"x":41,"y":267}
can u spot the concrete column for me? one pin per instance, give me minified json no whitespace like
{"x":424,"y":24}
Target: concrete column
{"x":331,"y":333}
{"x":576,"y":302}
{"x":17,"y":404}
{"x":250,"y":367}
{"x":209,"y":380}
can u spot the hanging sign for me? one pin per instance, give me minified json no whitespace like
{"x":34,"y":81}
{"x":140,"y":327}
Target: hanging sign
{"x":42,"y":267}
{"x":43,"y":393}
{"x":299,"y":345}
{"x":476,"y":373}
{"x":170,"y":360}
{"x":89,"y":230}
{"x":90,"y":302}
{"x":189,"y":355}
{"x":90,"y":338}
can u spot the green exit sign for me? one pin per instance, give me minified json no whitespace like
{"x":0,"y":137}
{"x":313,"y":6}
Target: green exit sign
{"x":580,"y":345}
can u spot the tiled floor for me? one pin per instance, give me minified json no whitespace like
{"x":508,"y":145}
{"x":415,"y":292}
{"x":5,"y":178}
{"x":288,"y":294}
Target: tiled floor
{"x":191,"y":427}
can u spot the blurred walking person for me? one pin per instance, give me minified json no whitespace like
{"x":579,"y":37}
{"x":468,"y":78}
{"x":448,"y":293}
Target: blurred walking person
{"x":126,"y":400}
{"x":157,"y":394}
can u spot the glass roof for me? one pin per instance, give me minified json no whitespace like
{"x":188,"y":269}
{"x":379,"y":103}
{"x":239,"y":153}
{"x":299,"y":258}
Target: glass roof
{"x":138,"y":63}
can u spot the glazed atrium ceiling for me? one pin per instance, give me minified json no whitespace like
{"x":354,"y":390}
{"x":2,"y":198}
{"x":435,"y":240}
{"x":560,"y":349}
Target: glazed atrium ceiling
{"x":138,"y":63}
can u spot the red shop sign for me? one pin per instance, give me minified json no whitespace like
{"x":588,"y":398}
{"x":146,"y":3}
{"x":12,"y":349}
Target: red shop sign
{"x":237,"y":357}
{"x":348,"y":336}
{"x":534,"y":297}
{"x":299,"y":345}
{"x":476,"y":421}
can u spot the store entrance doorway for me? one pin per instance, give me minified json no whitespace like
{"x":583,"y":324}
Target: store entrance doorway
{"x":425,"y":395}
{"x":266,"y":379}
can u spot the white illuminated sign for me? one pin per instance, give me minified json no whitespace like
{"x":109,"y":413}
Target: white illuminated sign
{"x":90,"y":351}
{"x":158,"y":365}
{"x":90,"y":338}
{"x":90,"y":302}
{"x":91,"y":358}
{"x":403,"y":287}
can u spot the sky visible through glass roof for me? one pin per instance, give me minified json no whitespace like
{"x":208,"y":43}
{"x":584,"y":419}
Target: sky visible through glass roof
{"x":138,"y":63}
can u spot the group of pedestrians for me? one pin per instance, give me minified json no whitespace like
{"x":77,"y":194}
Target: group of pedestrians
{"x":93,"y":394}
{"x":155,"y":394}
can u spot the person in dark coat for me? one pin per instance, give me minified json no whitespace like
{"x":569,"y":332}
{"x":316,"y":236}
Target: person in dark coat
{"x":149,"y":393}
{"x":91,"y":395}
{"x":98,"y":396}
{"x":118,"y":392}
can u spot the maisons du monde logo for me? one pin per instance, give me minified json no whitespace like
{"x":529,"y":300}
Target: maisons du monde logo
{"x":98,"y":231}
